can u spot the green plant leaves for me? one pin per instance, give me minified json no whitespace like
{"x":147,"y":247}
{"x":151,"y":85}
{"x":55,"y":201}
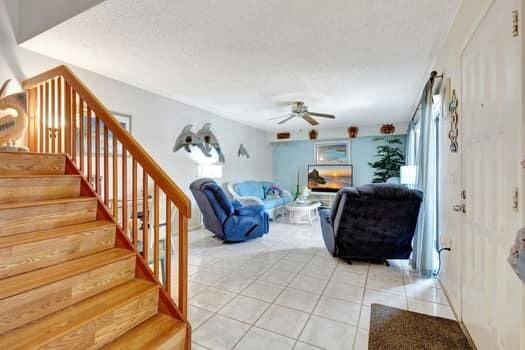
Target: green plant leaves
{"x":388,"y":160}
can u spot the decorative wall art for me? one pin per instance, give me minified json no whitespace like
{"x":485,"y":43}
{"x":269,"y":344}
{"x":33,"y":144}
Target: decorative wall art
{"x":332,"y":153}
{"x":387,"y":129}
{"x":353,"y":131}
{"x":210,"y":141}
{"x":123,"y":119}
{"x":12,"y":126}
{"x":283,"y":135}
{"x":313,"y":134}
{"x":242,"y":152}
{"x":125,"y":122}
{"x":202,"y":146}
{"x":454,"y":118}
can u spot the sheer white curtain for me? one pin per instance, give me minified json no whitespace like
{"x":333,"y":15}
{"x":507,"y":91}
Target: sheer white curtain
{"x":422,"y":151}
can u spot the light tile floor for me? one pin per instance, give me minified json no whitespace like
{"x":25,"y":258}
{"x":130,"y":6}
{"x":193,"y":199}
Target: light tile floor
{"x":284,"y":291}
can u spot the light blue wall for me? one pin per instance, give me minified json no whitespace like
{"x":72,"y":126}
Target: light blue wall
{"x":291,"y":156}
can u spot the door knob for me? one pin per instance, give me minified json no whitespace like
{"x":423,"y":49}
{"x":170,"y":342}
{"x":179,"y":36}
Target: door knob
{"x":459,"y":208}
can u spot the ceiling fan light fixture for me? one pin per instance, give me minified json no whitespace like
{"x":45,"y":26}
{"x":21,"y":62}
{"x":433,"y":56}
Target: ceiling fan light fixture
{"x":299,"y":109}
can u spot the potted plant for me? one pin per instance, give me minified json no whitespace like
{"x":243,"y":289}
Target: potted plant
{"x":388,"y":160}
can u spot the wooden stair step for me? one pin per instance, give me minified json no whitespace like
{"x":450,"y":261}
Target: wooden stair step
{"x":55,"y":290}
{"x":159,"y":332}
{"x":18,"y":218}
{"x":89,"y":324}
{"x":38,"y":187}
{"x":32,"y":164}
{"x":22,"y":283}
{"x":30,"y":251}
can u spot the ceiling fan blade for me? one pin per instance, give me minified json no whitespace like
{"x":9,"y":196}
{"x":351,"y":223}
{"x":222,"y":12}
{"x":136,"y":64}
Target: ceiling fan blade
{"x":310,"y":120}
{"x":322,"y":115}
{"x":281,"y":116}
{"x":286,"y":103}
{"x":287,"y":119}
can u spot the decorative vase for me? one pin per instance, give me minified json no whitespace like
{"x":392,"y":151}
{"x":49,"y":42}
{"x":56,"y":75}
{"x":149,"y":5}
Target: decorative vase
{"x":283,"y":135}
{"x":387,"y":129}
{"x":297,"y":191}
{"x":353,"y":131}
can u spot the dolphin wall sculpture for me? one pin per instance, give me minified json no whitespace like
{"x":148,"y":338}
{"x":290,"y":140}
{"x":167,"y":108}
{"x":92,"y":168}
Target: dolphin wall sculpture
{"x":210,"y":141}
{"x":187,"y":139}
{"x":242,"y":152}
{"x":203,"y":140}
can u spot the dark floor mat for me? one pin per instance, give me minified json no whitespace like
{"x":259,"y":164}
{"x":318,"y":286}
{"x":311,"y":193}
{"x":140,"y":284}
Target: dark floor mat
{"x":392,"y":329}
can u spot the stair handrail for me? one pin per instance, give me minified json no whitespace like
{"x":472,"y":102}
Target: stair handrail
{"x":174,"y":193}
{"x":56,"y":98}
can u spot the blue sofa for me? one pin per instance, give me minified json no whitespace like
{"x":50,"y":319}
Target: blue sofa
{"x":254,"y":192}
{"x":228,"y":220}
{"x":371,"y":222}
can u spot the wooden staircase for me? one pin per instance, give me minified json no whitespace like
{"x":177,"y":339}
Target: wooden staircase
{"x":64,"y":283}
{"x":87,"y":220}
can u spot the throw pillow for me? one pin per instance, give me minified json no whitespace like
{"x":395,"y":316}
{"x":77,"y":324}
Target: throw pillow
{"x":275,"y":191}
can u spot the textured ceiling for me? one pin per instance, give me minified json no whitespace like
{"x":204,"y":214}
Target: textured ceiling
{"x":363,"y":60}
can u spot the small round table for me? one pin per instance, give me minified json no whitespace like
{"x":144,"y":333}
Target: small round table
{"x":303,"y":213}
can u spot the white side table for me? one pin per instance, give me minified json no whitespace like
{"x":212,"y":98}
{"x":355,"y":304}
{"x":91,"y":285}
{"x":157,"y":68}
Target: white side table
{"x":304,"y":213}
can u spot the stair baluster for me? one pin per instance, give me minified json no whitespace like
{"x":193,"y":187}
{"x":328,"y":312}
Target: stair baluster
{"x":65,"y":117}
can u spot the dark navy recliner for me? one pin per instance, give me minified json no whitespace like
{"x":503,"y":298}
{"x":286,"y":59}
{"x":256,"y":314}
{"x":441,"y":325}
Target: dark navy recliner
{"x":228,"y":220}
{"x":371,"y":222}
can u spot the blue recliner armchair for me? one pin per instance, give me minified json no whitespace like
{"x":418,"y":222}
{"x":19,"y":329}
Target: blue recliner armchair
{"x":372,"y":222}
{"x":228,"y":220}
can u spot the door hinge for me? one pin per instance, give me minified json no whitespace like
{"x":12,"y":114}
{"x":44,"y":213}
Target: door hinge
{"x":515,"y":23}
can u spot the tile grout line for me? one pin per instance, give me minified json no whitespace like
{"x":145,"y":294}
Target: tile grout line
{"x":252,"y":325}
{"x":236,"y":294}
{"x":315,"y":306}
{"x":361,"y":309}
{"x":277,"y":297}
{"x":404,"y":287}
{"x":243,"y":289}
{"x":214,"y":313}
{"x":294,"y":274}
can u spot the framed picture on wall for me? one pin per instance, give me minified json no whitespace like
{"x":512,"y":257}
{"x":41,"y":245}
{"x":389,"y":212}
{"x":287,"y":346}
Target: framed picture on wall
{"x":332,"y":152}
{"x":123,"y":119}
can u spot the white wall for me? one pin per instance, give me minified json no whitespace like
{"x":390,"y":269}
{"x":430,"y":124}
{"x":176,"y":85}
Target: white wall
{"x":156,"y":121}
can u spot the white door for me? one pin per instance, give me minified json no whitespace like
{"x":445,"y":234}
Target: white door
{"x":491,"y":149}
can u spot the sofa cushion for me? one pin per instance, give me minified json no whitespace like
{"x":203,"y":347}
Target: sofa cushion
{"x":266,"y":186}
{"x":272,"y":203}
{"x":250,"y":188}
{"x":286,"y":199}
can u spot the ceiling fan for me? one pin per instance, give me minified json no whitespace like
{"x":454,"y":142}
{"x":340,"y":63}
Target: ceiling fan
{"x":300,"y":110}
